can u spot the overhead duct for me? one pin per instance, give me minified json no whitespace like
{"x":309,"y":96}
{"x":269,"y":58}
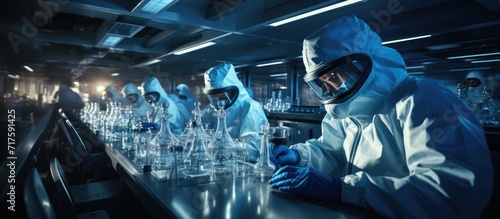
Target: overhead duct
{"x":111,"y":33}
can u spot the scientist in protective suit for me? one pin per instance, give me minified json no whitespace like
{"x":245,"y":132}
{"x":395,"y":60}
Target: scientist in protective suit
{"x":132,"y":93}
{"x":244,"y":115}
{"x":111,"y":94}
{"x":400,"y":145}
{"x":186,"y":97}
{"x":154,"y":93}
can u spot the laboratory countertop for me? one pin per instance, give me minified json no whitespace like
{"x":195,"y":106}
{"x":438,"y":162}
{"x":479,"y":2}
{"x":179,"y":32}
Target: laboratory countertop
{"x":244,"y":196}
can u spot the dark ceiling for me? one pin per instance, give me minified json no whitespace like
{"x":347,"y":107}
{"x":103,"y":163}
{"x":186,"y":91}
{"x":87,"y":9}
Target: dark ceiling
{"x":61,"y":37}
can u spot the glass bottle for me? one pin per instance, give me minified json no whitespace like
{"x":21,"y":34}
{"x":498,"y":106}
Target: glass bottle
{"x":222,"y":148}
{"x":198,"y":161}
{"x":163,"y":141}
{"x":264,"y":168}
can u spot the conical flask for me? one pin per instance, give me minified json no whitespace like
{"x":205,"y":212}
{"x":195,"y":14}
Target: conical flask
{"x":264,"y":168}
{"x":222,"y":148}
{"x":163,"y":141}
{"x":198,"y":160}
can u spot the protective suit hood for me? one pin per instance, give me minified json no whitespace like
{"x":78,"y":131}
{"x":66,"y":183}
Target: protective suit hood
{"x":184,"y":90}
{"x":131,"y":88}
{"x":153,"y":85}
{"x":221,"y":76}
{"x":346,"y":36}
{"x":115,"y":95}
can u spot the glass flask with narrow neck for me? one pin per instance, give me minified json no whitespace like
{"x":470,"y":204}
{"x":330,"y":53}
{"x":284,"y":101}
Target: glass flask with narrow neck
{"x":163,"y":141}
{"x":197,"y":162}
{"x":222,"y":148}
{"x":264,"y":168}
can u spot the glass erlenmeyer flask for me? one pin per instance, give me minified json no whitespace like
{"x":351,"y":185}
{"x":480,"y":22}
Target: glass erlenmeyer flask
{"x":222,"y":148}
{"x":264,"y":168}
{"x":198,"y":160}
{"x":162,"y":142}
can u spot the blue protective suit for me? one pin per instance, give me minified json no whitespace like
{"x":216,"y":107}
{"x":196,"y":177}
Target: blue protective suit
{"x":189,"y":100}
{"x":141,"y":107}
{"x":114,"y":96}
{"x":177,"y":119}
{"x":403,"y":146}
{"x":244,"y":117}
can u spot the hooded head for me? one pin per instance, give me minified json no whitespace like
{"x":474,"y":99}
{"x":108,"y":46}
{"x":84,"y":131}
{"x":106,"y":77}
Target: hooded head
{"x":222,"y":86}
{"x":345,"y":62}
{"x":132,"y":93}
{"x":110,"y":92}
{"x":475,"y":81}
{"x":183,"y":91}
{"x":152,"y":90}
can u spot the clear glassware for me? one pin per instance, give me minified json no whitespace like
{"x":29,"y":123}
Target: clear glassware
{"x":264,"y":168}
{"x":128,"y":131}
{"x":198,"y":161}
{"x":163,"y":141}
{"x":222,"y":148}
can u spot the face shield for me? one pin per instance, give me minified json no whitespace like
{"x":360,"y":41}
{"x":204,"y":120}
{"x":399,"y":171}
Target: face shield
{"x":472,"y":82}
{"x":223,"y":96}
{"x":340,"y":79}
{"x":133,"y":98}
{"x":152,"y":97}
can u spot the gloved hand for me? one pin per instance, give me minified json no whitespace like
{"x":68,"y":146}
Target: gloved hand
{"x":282,"y":155}
{"x":308,"y":182}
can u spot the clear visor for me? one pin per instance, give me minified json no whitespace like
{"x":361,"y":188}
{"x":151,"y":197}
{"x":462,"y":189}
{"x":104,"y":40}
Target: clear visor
{"x":338,"y":80}
{"x":223,"y":96}
{"x":152,"y":97}
{"x":133,"y":98}
{"x":472,"y":82}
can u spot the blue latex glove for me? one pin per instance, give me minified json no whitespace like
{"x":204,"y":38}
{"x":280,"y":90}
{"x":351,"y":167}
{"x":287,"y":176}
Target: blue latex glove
{"x":282,"y":156}
{"x":308,"y":182}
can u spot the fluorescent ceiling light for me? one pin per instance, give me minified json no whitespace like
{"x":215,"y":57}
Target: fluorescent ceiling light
{"x":415,"y":67}
{"x":474,"y":55}
{"x":483,"y":61}
{"x":270,"y":63}
{"x":314,"y":12}
{"x":153,"y":6}
{"x":28,"y":68}
{"x":111,"y":40}
{"x":190,"y":49}
{"x":469,"y":69}
{"x":278,"y":75}
{"x":416,"y":73}
{"x":13,"y":76}
{"x":406,"y":39}
{"x":115,"y":74}
{"x":150,"y":62}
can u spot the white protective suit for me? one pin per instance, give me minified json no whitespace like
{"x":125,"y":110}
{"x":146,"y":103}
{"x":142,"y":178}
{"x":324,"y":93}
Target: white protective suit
{"x":183,"y":90}
{"x":176,"y":120}
{"x":114,"y":96}
{"x":244,"y":116}
{"x":141,"y":107}
{"x":475,"y":93}
{"x":403,"y":146}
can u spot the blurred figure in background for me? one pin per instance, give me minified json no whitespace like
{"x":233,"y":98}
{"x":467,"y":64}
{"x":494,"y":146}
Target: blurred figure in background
{"x":186,"y":97}
{"x":244,"y":115}
{"x":479,"y":97}
{"x":132,"y":93}
{"x":111,"y":94}
{"x":155,"y":95}
{"x":68,"y":100}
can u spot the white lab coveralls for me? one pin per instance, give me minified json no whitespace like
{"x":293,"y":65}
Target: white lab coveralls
{"x":141,"y":107}
{"x":115,"y":95}
{"x":176,"y":120}
{"x":190,"y":98}
{"x":403,"y":146}
{"x":244,"y":117}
